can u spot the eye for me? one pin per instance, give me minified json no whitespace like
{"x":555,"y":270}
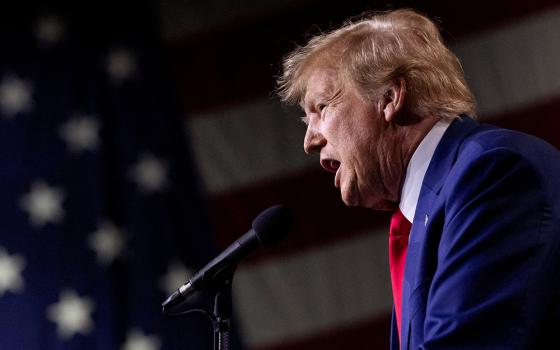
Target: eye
{"x":321,"y":106}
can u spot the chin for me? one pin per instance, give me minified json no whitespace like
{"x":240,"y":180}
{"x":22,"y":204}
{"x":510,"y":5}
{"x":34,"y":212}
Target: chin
{"x":350,"y":202}
{"x":350,"y":199}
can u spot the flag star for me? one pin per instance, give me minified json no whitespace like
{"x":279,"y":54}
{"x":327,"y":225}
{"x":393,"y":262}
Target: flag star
{"x":121,"y":65}
{"x":11,"y":267}
{"x":49,"y":30}
{"x":81,"y":133}
{"x":150,"y":173}
{"x":15,"y":96}
{"x":107,"y":242}
{"x":43,"y":203}
{"x":136,"y":340}
{"x":72,"y":314}
{"x":177,"y":275}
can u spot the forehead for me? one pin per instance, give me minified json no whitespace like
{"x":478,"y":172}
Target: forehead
{"x":320,"y":83}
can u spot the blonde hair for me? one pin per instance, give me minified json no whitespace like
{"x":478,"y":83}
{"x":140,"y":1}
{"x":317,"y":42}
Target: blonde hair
{"x":377,"y":51}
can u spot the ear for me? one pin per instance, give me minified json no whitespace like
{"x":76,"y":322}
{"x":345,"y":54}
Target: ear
{"x":393,"y":100}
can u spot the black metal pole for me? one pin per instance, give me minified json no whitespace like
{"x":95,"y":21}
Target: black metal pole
{"x":222,"y":316}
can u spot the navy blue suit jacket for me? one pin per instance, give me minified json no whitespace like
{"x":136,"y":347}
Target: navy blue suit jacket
{"x":483,"y":263}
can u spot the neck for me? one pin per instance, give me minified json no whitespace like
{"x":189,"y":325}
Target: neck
{"x":414,"y":133}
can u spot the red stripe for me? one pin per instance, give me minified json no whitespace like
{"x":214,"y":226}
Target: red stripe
{"x":367,"y":335}
{"x":541,"y":120}
{"x":235,"y":64}
{"x":323,"y":218}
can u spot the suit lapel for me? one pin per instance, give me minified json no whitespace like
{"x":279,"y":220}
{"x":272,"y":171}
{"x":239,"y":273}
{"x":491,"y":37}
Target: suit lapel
{"x":440,"y":165}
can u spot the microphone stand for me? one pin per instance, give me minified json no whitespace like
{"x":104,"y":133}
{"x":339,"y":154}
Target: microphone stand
{"x":222,"y":309}
{"x":268,"y":228}
{"x":222,"y":314}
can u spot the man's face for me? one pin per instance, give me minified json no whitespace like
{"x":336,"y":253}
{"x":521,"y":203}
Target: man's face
{"x":354,"y":140}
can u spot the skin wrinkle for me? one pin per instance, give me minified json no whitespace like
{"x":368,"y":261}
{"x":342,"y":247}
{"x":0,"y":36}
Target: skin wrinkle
{"x":386,"y":167}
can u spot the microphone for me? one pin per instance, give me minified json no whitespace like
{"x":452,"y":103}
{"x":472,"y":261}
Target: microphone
{"x":268,"y":229}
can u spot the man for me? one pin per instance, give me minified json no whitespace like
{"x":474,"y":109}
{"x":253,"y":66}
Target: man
{"x":388,"y":109}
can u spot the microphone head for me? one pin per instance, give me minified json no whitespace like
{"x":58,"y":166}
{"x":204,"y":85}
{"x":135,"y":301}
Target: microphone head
{"x":273,"y":224}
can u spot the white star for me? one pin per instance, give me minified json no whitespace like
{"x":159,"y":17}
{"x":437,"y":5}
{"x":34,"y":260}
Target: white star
{"x":107,"y":242}
{"x":43,"y":203}
{"x":121,"y":65}
{"x":81,"y":133}
{"x":49,"y":30}
{"x":71,"y":314}
{"x":11,"y":267}
{"x":177,"y":275}
{"x":136,"y":340}
{"x":15,"y":96}
{"x":150,"y":174}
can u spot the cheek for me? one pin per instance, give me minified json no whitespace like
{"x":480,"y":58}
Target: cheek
{"x":346,"y":136}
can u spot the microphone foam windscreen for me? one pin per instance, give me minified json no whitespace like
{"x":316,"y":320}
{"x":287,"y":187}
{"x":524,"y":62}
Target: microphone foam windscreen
{"x":273,"y":224}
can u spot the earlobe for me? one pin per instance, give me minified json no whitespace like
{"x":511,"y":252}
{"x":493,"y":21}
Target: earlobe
{"x":394,"y":100}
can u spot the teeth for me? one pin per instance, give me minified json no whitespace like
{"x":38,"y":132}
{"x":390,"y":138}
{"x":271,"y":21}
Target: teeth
{"x":330,"y":165}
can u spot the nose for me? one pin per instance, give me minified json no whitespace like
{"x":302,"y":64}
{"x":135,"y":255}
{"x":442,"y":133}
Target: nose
{"x":313,"y":141}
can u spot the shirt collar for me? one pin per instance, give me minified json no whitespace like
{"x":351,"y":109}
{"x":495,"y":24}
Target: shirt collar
{"x":417,"y":167}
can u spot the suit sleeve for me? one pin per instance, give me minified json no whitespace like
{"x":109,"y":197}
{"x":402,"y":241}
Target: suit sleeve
{"x":491,"y":287}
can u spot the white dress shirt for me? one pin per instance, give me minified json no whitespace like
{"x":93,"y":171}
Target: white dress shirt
{"x":417,"y":168}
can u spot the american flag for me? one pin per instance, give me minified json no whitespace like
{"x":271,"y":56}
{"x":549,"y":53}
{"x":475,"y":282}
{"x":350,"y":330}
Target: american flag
{"x":102,"y":214}
{"x":328,"y":286}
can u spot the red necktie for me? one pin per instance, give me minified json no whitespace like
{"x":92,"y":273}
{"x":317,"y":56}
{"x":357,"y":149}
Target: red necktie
{"x":398,"y":244}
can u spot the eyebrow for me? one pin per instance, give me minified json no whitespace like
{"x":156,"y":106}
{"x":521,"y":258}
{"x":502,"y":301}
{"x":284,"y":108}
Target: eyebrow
{"x":335,"y":95}
{"x":319,"y":96}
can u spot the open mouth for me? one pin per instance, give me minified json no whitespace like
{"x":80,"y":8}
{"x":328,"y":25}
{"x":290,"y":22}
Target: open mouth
{"x":330,"y":165}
